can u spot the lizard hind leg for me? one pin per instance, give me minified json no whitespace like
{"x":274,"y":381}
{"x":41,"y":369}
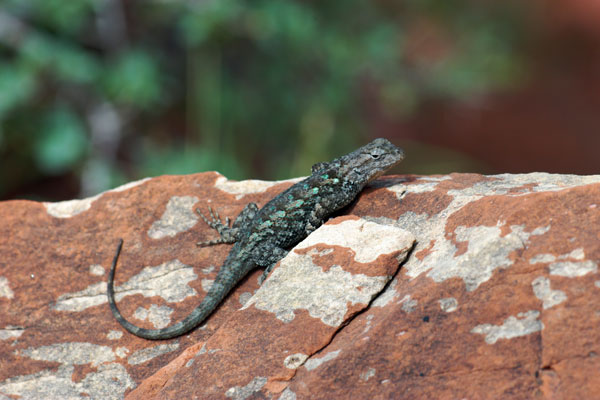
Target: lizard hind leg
{"x":277,"y":253}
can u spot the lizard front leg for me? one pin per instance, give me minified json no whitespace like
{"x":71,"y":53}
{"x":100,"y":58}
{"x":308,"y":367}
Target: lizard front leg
{"x":227,"y":234}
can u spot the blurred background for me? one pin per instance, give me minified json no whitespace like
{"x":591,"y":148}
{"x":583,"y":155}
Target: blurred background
{"x":96,"y":93}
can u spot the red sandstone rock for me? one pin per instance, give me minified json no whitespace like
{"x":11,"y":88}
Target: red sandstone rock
{"x":498,"y":299}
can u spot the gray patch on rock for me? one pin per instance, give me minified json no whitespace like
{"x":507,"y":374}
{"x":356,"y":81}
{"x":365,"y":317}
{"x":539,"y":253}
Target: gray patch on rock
{"x":295,"y":360}
{"x":243,"y":392}
{"x":159,"y":317}
{"x":5,"y":290}
{"x":250,"y":186}
{"x":571,"y":269}
{"x":316,"y":362}
{"x":178,"y":217}
{"x":287,"y":394}
{"x":70,"y":208}
{"x":114,"y":335}
{"x":369,"y":373}
{"x":109,"y":381}
{"x":521,"y":325}
{"x":97,"y":270}
{"x":300,"y":284}
{"x":488,"y":249}
{"x":147,"y":354}
{"x":408,"y":304}
{"x":10,"y":332}
{"x":542,"y":290}
{"x":448,"y":304}
{"x":71,"y":353}
{"x":168,"y":280}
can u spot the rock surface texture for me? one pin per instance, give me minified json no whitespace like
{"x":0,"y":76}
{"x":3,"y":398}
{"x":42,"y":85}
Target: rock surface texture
{"x":446,"y":287}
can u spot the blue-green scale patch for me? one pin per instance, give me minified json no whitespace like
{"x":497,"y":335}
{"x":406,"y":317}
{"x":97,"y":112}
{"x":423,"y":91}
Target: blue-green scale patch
{"x":278,"y":214}
{"x":265,"y":224}
{"x":298,"y":213}
{"x":295,"y":204}
{"x":315,"y":190}
{"x":325,"y":176}
{"x":336,"y":180}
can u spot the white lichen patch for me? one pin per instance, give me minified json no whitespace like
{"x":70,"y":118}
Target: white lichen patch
{"x":408,"y":304}
{"x":159,"y":317}
{"x":70,"y":208}
{"x":129,"y":185}
{"x":575,"y":255}
{"x":487,"y":249}
{"x":363,"y":237}
{"x":523,"y":324}
{"x":97,"y":270}
{"x":179,"y":216}
{"x":295,"y":360}
{"x":11,"y":332}
{"x":287,"y":394}
{"x":147,"y":354}
{"x":369,"y":373}
{"x":93,"y":295}
{"x":122,"y":352}
{"x":448,"y":304}
{"x":114,"y":334}
{"x":542,"y":258}
{"x":317,"y":361}
{"x":387,"y":296}
{"x":486,"y":244}
{"x":206,"y":284}
{"x":108,"y":381}
{"x":168,"y":280}
{"x":422,"y":185}
{"x":250,"y":186}
{"x":71,"y":353}
{"x":549,"y":297}
{"x":244,"y":297}
{"x":244,"y":392}
{"x":504,"y":184}
{"x":5,"y":290}
{"x":571,"y":269}
{"x":300,"y":284}
{"x":570,"y":265}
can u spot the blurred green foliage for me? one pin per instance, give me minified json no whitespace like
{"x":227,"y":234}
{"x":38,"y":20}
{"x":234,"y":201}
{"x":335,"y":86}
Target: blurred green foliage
{"x":98,"y":92}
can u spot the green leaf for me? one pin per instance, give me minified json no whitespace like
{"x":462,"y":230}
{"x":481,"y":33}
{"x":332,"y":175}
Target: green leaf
{"x":61,"y":143}
{"x":65,"y":16}
{"x":16,"y":87}
{"x":67,"y":61}
{"x":134,"y":80}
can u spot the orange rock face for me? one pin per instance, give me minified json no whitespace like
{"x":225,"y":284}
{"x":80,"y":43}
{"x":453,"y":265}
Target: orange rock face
{"x":446,"y":287}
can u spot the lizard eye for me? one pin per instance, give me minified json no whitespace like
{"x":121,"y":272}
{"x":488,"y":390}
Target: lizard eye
{"x":376,"y":154}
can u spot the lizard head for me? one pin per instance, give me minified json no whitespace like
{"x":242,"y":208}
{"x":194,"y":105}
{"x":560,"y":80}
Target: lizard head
{"x":368,"y":162}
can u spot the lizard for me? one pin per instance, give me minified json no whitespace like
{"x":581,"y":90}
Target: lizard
{"x":261,"y":237}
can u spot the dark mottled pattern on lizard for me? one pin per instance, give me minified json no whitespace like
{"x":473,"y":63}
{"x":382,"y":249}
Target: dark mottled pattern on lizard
{"x":263,"y":236}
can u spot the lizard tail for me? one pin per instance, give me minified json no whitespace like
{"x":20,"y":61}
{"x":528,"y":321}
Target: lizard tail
{"x":199,"y":314}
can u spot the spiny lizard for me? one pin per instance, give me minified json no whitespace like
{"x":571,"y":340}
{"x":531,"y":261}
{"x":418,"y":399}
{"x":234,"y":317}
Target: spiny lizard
{"x":262,"y":236}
